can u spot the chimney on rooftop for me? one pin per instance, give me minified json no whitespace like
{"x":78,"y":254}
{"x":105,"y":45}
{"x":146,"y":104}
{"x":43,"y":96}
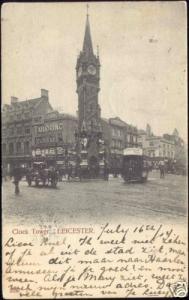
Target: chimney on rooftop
{"x":14,"y":99}
{"x":44,"y":93}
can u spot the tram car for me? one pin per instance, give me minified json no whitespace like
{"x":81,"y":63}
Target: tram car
{"x":135,"y":165}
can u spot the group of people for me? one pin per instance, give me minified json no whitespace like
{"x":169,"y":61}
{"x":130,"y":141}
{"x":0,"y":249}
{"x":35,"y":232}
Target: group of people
{"x":18,"y":172}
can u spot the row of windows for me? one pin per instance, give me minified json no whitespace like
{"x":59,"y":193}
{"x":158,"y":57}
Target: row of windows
{"x":116,"y":144}
{"x":18,"y":148}
{"x":116,"y":132}
{"x":166,"y":153}
{"x":163,"y":153}
{"x":168,"y":146}
{"x":119,"y":133}
{"x":155,"y":143}
{"x":23,"y":116}
{"x":131,"y":138}
{"x":18,"y":117}
{"x":18,"y":130}
{"x":47,"y":139}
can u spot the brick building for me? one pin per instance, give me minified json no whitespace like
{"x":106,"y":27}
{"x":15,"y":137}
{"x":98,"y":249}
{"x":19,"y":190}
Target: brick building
{"x":33,"y":131}
{"x":118,"y":135}
{"x":18,"y":118}
{"x":53,"y":138}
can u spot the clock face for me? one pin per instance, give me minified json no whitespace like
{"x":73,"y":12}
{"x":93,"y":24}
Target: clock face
{"x":80,"y":71}
{"x":91,"y":70}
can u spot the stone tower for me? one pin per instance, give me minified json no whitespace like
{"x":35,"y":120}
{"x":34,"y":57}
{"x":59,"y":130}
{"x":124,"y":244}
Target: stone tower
{"x":87,"y":78}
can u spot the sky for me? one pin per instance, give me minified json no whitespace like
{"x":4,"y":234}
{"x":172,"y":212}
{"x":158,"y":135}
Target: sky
{"x":142,"y":49}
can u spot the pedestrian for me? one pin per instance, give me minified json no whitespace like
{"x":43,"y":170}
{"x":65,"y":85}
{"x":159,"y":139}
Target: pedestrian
{"x":17,"y":175}
{"x":162,"y":168}
{"x":106,"y":170}
{"x":69,"y":171}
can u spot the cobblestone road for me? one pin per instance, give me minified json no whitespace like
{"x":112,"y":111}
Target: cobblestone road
{"x":96,"y":201}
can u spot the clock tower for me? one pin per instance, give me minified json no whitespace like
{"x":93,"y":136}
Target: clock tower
{"x":88,"y":77}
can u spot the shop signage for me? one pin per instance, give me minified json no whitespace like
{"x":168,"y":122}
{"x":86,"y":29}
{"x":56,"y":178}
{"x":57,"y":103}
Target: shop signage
{"x":38,"y":151}
{"x":52,"y":151}
{"x":60,"y":162}
{"x":46,"y":151}
{"x":50,"y":127}
{"x":60,"y":150}
{"x":132,"y":151}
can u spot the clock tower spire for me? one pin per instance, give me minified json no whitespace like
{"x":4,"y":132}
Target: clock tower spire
{"x":87,"y":78}
{"x":87,"y":43}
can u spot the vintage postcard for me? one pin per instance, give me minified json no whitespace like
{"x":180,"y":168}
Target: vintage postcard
{"x":94,"y":150}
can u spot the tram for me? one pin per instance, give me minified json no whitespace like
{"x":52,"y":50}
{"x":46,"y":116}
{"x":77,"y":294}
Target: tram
{"x":135,"y":165}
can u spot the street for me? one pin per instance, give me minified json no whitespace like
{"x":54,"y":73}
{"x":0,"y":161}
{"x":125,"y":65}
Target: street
{"x":158,"y":200}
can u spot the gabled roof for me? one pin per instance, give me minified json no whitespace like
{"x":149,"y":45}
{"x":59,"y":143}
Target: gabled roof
{"x":26,"y":104}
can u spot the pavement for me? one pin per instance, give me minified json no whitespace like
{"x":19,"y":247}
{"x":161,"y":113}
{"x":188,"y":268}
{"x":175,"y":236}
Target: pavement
{"x":157,"y":200}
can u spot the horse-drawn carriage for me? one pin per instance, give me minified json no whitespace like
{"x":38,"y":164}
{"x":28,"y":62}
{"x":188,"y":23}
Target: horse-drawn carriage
{"x":40,"y":174}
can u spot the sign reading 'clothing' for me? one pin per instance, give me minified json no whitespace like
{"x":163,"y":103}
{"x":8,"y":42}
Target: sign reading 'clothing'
{"x":50,"y":127}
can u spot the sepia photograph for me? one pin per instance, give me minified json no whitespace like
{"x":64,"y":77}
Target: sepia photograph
{"x":94,"y":149}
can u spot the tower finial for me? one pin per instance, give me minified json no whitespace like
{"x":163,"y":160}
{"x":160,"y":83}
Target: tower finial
{"x":87,"y":10}
{"x":87,"y":43}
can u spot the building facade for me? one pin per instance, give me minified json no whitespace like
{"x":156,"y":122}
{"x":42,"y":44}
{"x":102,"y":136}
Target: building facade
{"x":118,"y":135}
{"x":179,"y":146}
{"x":53,"y":138}
{"x":156,"y":147}
{"x":17,"y":123}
